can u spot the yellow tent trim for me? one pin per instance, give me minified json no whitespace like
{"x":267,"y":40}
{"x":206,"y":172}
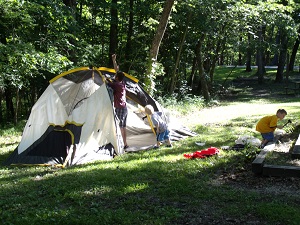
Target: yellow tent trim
{"x":75,"y":70}
{"x":66,"y":123}
{"x":113,"y":71}
{"x":70,"y":132}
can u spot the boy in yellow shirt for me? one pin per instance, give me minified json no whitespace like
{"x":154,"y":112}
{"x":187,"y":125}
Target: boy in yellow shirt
{"x":267,"y":125}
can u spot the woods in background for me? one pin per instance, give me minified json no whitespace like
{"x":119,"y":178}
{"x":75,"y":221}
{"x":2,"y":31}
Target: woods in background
{"x":167,"y":44}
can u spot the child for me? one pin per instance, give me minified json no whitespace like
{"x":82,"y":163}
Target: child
{"x":267,"y":125}
{"x":119,"y":88}
{"x":162,"y":132}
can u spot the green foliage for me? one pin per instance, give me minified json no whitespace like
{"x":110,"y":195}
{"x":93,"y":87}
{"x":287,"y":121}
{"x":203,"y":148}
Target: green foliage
{"x":40,"y":39}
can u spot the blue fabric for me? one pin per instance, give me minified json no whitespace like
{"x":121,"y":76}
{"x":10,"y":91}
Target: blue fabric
{"x":163,"y":136}
{"x":268,"y":136}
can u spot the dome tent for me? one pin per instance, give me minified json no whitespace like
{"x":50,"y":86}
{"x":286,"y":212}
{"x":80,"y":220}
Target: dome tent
{"x":73,"y":122}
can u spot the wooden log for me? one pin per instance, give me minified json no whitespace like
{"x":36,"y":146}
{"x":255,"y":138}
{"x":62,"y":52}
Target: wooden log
{"x":258,"y":162}
{"x":281,"y":171}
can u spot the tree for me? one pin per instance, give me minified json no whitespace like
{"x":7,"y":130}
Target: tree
{"x":113,"y":34}
{"x":152,"y":60}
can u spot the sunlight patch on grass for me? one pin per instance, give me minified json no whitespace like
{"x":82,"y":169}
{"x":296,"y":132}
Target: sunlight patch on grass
{"x":136,"y":187}
{"x":98,"y":190}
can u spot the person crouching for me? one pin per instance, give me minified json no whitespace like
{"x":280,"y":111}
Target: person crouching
{"x":162,"y":132}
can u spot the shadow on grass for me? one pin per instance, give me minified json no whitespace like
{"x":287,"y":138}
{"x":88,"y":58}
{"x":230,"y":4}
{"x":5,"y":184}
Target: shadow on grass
{"x":149,"y":187}
{"x":139,"y":188}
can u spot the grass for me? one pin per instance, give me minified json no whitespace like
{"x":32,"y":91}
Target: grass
{"x":153,"y":187}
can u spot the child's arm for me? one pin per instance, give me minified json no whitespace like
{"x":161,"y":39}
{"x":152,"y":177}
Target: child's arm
{"x":114,"y":57}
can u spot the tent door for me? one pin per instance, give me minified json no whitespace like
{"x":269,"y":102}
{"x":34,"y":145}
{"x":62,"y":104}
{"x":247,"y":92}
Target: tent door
{"x":56,"y":144}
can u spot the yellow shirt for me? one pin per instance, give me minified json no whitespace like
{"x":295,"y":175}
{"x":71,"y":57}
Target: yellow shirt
{"x":267,"y":124}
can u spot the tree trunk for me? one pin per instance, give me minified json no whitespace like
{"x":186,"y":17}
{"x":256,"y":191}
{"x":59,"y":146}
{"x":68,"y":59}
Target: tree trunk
{"x":260,"y":56}
{"x":113,"y":33}
{"x":275,"y":59}
{"x":192,"y":77}
{"x":215,"y":58}
{"x":213,"y":64}
{"x":149,"y":81}
{"x":9,"y":104}
{"x":174,"y":74}
{"x":240,"y":60}
{"x":128,"y":48}
{"x":287,"y":73}
{"x":204,"y":86}
{"x":248,"y":55}
{"x":293,"y":55}
{"x":282,"y":57}
{"x":17,"y":107}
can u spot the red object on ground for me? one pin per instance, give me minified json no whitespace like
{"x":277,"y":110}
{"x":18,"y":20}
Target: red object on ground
{"x":203,"y":153}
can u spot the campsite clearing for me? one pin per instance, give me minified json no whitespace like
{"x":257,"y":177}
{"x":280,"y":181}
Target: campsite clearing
{"x":160,"y":186}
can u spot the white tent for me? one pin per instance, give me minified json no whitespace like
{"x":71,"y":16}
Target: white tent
{"x":73,"y":122}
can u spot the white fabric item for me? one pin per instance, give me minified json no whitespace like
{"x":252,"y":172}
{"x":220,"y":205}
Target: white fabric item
{"x":247,"y":139}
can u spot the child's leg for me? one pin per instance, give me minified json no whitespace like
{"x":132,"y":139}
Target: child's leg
{"x":158,"y":143}
{"x":169,"y":143}
{"x":159,"y":138}
{"x":167,"y":138}
{"x":266,"y":138}
{"x":264,"y":142}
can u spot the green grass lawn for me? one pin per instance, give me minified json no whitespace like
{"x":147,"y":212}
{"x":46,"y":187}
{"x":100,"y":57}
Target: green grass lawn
{"x":156,"y":186}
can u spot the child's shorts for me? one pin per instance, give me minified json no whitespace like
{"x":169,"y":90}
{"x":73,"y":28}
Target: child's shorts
{"x":268,"y":136}
{"x":163,"y":136}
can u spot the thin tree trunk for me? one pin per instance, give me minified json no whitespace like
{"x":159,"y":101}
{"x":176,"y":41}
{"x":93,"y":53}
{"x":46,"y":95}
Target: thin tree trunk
{"x":249,"y":54}
{"x":293,"y":55}
{"x":113,"y":34}
{"x":287,"y":73}
{"x":215,"y":58}
{"x":9,"y":104}
{"x":17,"y":107}
{"x":192,"y":77}
{"x":282,"y":57}
{"x":174,"y":74}
{"x":240,"y":63}
{"x":275,"y":59}
{"x":128,"y":48}
{"x":149,"y":81}
{"x":204,"y":86}
{"x":260,"y":56}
